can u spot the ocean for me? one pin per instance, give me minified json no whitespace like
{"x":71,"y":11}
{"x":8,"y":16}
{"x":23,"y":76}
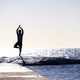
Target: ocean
{"x":58,"y":72}
{"x":55,"y":64}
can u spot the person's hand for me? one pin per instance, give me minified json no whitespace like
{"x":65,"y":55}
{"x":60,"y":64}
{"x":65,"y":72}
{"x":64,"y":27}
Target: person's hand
{"x":19,"y":26}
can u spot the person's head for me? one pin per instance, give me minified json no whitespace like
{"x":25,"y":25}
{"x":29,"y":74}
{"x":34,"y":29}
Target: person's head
{"x":19,"y":31}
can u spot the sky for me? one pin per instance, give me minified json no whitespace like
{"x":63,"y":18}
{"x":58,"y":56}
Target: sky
{"x":46,"y":23}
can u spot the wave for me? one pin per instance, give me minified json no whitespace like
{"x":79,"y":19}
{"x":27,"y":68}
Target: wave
{"x":39,"y":60}
{"x":46,"y":57}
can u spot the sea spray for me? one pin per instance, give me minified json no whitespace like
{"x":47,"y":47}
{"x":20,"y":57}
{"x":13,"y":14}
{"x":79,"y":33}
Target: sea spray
{"x":45,"y":56}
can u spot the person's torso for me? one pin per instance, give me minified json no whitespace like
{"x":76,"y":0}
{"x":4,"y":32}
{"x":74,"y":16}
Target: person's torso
{"x":20,"y":36}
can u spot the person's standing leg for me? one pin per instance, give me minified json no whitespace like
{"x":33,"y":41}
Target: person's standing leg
{"x":20,"y":49}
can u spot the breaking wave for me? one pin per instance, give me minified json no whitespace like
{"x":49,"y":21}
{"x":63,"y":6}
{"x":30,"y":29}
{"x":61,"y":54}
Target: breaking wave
{"x":46,"y":57}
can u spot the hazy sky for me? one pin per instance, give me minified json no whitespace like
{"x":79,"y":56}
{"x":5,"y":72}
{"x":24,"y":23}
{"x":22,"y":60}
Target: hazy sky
{"x":46,"y":23}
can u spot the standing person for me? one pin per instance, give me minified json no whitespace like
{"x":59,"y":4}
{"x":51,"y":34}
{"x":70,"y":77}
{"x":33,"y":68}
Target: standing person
{"x":20,"y":33}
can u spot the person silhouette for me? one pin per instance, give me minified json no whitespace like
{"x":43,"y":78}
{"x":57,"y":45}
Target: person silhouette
{"x":20,"y":33}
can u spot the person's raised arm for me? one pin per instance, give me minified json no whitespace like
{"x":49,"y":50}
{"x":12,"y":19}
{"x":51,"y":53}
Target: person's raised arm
{"x":22,"y":30}
{"x":17,"y":29}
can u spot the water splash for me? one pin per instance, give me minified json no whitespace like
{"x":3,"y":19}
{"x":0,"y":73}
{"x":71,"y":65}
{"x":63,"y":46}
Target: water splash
{"x":46,"y":56}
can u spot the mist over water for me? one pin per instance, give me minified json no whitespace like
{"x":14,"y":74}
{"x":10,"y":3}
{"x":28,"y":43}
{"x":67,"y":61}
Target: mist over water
{"x":71,"y":53}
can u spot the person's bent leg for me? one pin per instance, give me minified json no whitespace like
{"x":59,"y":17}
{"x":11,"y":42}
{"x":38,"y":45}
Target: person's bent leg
{"x":16,"y":45}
